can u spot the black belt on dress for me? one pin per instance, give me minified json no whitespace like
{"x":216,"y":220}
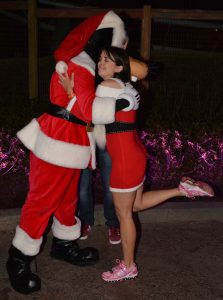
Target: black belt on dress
{"x":118,"y":127}
{"x":63,"y":113}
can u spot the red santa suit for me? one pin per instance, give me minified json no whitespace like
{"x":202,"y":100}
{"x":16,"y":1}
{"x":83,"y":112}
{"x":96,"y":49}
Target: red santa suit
{"x":128,"y":155}
{"x":60,"y":148}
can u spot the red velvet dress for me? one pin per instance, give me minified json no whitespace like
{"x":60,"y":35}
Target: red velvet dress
{"x":127,"y":152}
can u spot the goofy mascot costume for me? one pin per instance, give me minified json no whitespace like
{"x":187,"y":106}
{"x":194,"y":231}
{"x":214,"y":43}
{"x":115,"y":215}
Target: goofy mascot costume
{"x":60,"y":146}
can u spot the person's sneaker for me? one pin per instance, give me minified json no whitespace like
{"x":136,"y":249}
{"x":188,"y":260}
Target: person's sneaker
{"x":114,"y":235}
{"x":85,"y":230}
{"x":192,"y":188}
{"x":120,"y":272}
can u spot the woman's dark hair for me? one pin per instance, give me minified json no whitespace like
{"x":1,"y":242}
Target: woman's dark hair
{"x":120,"y":58}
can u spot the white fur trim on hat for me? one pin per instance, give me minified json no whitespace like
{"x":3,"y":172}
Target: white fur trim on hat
{"x":84,"y":60}
{"x":53,"y":151}
{"x":61,"y":67}
{"x":112,"y":20}
{"x":103,"y":110}
{"x":64,"y":232}
{"x":27,"y":245}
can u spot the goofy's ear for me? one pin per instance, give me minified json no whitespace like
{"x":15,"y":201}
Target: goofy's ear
{"x":139,"y":69}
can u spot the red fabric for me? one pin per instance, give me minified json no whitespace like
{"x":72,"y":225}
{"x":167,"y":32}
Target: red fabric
{"x":63,"y":130}
{"x":52,"y":190}
{"x":76,"y":40}
{"x":125,"y":116}
{"x":128,"y":157}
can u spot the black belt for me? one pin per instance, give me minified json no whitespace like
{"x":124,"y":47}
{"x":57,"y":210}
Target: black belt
{"x":63,"y":113}
{"x":118,"y":127}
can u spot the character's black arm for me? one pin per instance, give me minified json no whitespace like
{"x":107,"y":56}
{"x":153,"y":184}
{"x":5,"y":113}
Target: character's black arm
{"x":121,"y":104}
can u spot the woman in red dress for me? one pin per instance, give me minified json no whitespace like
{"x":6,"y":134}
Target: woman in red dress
{"x":129,"y":157}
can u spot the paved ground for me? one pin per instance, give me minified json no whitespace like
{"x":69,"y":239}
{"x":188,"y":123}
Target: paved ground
{"x":180,"y":256}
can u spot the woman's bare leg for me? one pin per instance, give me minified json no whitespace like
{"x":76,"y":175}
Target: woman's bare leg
{"x":153,"y":198}
{"x":124,"y":205}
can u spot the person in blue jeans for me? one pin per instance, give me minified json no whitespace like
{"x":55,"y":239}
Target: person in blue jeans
{"x":86,"y":200}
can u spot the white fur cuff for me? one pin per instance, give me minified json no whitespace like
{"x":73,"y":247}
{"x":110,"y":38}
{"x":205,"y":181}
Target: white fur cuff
{"x":103,"y":110}
{"x":64,"y":232}
{"x":27,"y":245}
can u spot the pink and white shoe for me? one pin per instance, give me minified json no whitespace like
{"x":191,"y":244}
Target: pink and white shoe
{"x":192,"y":188}
{"x":120,"y":272}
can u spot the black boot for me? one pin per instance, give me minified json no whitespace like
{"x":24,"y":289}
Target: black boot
{"x":69,"y":251}
{"x":20,"y":275}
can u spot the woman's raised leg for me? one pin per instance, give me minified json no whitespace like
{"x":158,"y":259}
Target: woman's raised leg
{"x":152,"y":198}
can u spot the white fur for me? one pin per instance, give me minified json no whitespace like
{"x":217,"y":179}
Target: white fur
{"x":27,"y":245}
{"x":126,"y":190}
{"x":107,"y":91}
{"x":61,"y":67}
{"x":84,"y":60}
{"x":64,"y":232}
{"x":54,"y":151}
{"x":112,"y":20}
{"x":93,"y":150}
{"x":100,"y":136}
{"x":103,"y":110}
{"x":71,"y":103}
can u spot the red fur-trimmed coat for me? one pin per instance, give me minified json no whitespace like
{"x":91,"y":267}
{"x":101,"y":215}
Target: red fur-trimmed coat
{"x":59,"y":141}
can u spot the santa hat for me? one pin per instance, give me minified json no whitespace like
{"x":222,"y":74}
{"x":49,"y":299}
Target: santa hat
{"x":76,"y":40}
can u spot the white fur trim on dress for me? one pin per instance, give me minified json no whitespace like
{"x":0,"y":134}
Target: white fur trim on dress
{"x":84,"y":60}
{"x":99,"y":134}
{"x":103,"y":110}
{"x":126,"y":190}
{"x":27,"y":245}
{"x":53,"y":151}
{"x":112,"y":20}
{"x":64,"y":232}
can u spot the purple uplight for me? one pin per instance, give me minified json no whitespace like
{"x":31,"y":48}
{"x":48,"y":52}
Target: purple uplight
{"x":12,"y":157}
{"x":171,"y":155}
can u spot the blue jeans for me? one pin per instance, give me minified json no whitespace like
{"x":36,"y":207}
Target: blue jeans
{"x":86,"y":199}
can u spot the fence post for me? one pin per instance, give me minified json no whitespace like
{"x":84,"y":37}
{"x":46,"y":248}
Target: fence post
{"x":146,"y":36}
{"x":33,"y":55}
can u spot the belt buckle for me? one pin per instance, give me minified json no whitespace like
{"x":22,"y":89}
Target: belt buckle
{"x":66,"y":115}
{"x":89,"y":127}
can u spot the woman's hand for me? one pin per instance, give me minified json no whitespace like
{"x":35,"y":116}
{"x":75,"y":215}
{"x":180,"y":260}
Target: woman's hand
{"x":67,"y":82}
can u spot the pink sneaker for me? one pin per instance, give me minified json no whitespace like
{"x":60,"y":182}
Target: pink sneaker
{"x":192,"y":188}
{"x":120,"y":272}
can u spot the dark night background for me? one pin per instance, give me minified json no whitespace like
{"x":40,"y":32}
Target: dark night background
{"x":184,"y":4}
{"x":181,"y":116}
